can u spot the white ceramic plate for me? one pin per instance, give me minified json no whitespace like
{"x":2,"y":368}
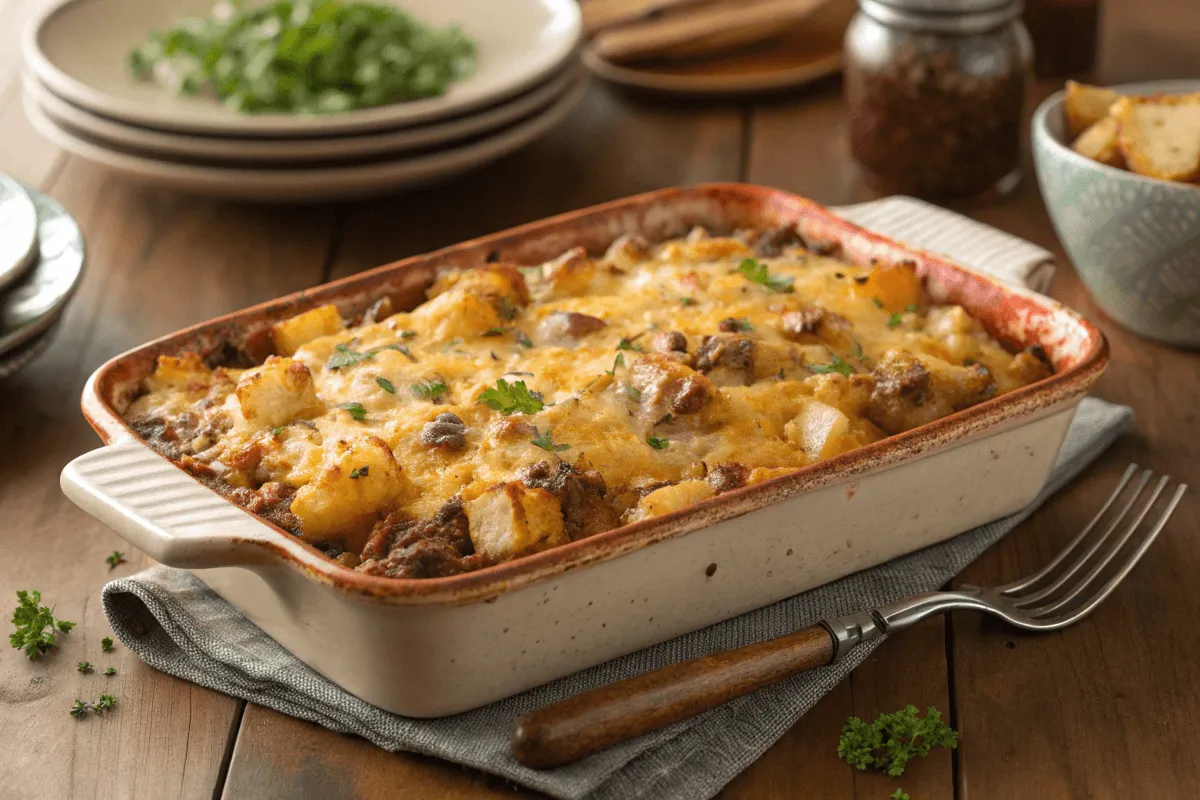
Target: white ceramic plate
{"x":15,"y":360}
{"x":303,"y":185}
{"x":79,"y":48}
{"x":32,"y":304}
{"x":18,"y":231}
{"x":153,"y":143}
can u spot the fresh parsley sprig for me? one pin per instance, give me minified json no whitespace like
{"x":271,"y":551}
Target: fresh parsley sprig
{"x":757,"y":272}
{"x":356,"y":411}
{"x":511,"y":398}
{"x":429,"y":390}
{"x":106,"y":644}
{"x":82,"y":707}
{"x":619,"y":361}
{"x":35,"y":625}
{"x":837,"y":364}
{"x":890,"y":742}
{"x":658,"y":442}
{"x":545,"y":442}
{"x":117,"y":557}
{"x":346,"y":356}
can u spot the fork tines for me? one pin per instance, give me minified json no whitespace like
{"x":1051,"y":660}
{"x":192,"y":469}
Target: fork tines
{"x":1090,"y":567}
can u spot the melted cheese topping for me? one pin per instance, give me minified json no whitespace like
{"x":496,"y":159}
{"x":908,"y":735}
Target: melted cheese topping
{"x":774,"y":377}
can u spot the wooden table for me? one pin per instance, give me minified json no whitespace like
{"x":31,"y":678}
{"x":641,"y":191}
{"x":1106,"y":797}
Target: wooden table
{"x":1106,"y":709}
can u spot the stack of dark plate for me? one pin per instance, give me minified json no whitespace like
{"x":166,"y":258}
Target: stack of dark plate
{"x":41,"y":262}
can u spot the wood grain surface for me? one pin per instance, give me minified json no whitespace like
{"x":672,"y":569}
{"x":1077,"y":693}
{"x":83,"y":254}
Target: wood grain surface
{"x":1103,"y":710}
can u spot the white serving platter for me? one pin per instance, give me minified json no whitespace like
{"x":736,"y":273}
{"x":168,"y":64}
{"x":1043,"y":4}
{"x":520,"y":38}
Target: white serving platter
{"x":316,"y":183}
{"x":520,"y":42}
{"x":18,"y":231}
{"x":152,"y":142}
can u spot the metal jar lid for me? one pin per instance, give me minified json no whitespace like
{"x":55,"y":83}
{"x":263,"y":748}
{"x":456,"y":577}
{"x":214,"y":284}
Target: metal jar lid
{"x":943,"y":16}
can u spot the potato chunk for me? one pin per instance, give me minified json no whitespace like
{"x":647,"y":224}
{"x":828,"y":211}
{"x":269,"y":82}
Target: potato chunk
{"x":1100,"y":143}
{"x":358,"y":482}
{"x":187,"y":372}
{"x":292,"y":334}
{"x":1086,"y":105}
{"x":818,"y":430}
{"x":571,"y":273}
{"x":278,"y":392}
{"x":473,"y":302}
{"x":512,"y":519}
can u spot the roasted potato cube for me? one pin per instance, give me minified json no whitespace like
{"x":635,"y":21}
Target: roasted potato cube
{"x":1099,"y":143}
{"x":818,"y":430}
{"x":1160,"y":136}
{"x":1086,"y":105}
{"x":358,"y":482}
{"x":292,"y":334}
{"x":187,"y":372}
{"x":512,"y":519}
{"x":278,"y":392}
{"x":571,"y":273}
{"x":473,"y":302}
{"x":671,"y":498}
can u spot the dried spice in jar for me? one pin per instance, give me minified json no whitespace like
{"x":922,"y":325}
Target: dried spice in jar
{"x":935,"y":91}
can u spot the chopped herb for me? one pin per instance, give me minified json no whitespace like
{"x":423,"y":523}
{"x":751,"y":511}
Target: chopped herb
{"x":665,"y":420}
{"x":838,"y":364}
{"x":84,"y":666}
{"x":546,"y":443}
{"x":506,"y":308}
{"x":429,"y":390}
{"x":519,"y":373}
{"x":899,"y":794}
{"x":356,"y":410}
{"x":521,"y":338}
{"x":658,"y":442}
{"x":82,"y":707}
{"x":626,"y":344}
{"x":890,"y":742}
{"x":745,"y":325}
{"x":896,"y":320}
{"x":450,"y":345}
{"x":619,"y":361}
{"x":878,"y":302}
{"x":511,"y":398}
{"x":912,"y":308}
{"x":386,"y":385}
{"x":276,"y":431}
{"x":31,"y":621}
{"x":106,"y":644}
{"x":110,"y":671}
{"x":687,"y":301}
{"x":494,"y":332}
{"x":399,"y":348}
{"x":858,"y":352}
{"x":345,"y":356}
{"x":632,"y":393}
{"x":117,"y":557}
{"x":756,"y":271}
{"x":360,"y":472}
{"x":407,"y":334}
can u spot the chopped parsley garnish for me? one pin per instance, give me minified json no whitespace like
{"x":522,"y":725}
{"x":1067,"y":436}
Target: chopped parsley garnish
{"x":82,"y":707}
{"x":890,"y":742}
{"x":110,"y":671}
{"x":360,"y":472}
{"x":106,"y":644}
{"x":632,"y":393}
{"x":546,"y":443}
{"x":877,"y":301}
{"x":912,"y":308}
{"x":756,"y":271}
{"x":386,"y":385}
{"x":511,"y":398}
{"x":665,"y":420}
{"x":35,"y":625}
{"x":346,"y":356}
{"x":687,"y":301}
{"x":506,"y":308}
{"x":276,"y":431}
{"x":117,"y":557}
{"x":521,"y":338}
{"x":450,"y":345}
{"x":896,"y":320}
{"x":899,"y":794}
{"x":619,"y":361}
{"x":658,"y":442}
{"x":494,"y":332}
{"x":407,"y":334}
{"x":838,"y":364}
{"x":745,"y":324}
{"x":626,"y":344}
{"x":84,"y":666}
{"x":858,"y":352}
{"x":429,"y":390}
{"x":356,"y":410}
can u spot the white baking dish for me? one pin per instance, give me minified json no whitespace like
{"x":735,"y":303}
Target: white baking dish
{"x":429,"y":648}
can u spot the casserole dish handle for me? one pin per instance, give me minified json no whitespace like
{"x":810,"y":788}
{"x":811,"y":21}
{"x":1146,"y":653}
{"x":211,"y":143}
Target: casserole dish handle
{"x":161,"y":510}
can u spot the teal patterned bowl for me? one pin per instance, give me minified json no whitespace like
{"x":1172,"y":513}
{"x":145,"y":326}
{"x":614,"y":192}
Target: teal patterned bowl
{"x":1135,"y":241}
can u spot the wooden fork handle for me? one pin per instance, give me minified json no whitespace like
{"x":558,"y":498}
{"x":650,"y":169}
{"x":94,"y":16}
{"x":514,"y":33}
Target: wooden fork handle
{"x":587,"y":723}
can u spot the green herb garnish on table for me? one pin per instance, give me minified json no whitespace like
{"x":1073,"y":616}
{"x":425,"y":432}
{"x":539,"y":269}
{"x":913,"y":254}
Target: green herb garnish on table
{"x":35,"y":625}
{"x":890,"y":742}
{"x":305,"y":57}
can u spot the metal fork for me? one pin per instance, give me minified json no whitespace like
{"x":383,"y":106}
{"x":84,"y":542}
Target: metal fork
{"x":1064,"y":591}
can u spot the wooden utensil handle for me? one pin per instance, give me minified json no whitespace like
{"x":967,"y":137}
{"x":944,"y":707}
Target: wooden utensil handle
{"x":579,"y":726}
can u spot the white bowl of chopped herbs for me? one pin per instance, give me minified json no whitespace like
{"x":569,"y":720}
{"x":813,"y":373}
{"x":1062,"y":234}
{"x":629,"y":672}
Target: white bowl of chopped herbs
{"x":296,"y":68}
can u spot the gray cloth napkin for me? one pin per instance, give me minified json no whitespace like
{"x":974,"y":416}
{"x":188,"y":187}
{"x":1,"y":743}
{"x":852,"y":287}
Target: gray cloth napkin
{"x":177,"y":625}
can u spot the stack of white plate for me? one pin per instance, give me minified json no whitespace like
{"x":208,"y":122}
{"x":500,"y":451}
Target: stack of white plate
{"x":41,"y":262}
{"x":80,"y":94}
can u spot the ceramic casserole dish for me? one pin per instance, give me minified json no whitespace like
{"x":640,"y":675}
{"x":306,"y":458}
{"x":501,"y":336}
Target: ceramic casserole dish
{"x":434,"y":647}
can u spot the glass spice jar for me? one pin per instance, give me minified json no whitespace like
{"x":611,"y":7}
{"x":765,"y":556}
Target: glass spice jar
{"x":935,"y":90}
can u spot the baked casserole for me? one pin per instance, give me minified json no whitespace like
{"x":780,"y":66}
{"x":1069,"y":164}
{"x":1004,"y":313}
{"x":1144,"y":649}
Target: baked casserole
{"x":520,"y":408}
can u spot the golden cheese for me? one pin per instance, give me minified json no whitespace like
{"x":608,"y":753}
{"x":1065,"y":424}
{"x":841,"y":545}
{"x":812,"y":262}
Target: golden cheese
{"x":675,"y":372}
